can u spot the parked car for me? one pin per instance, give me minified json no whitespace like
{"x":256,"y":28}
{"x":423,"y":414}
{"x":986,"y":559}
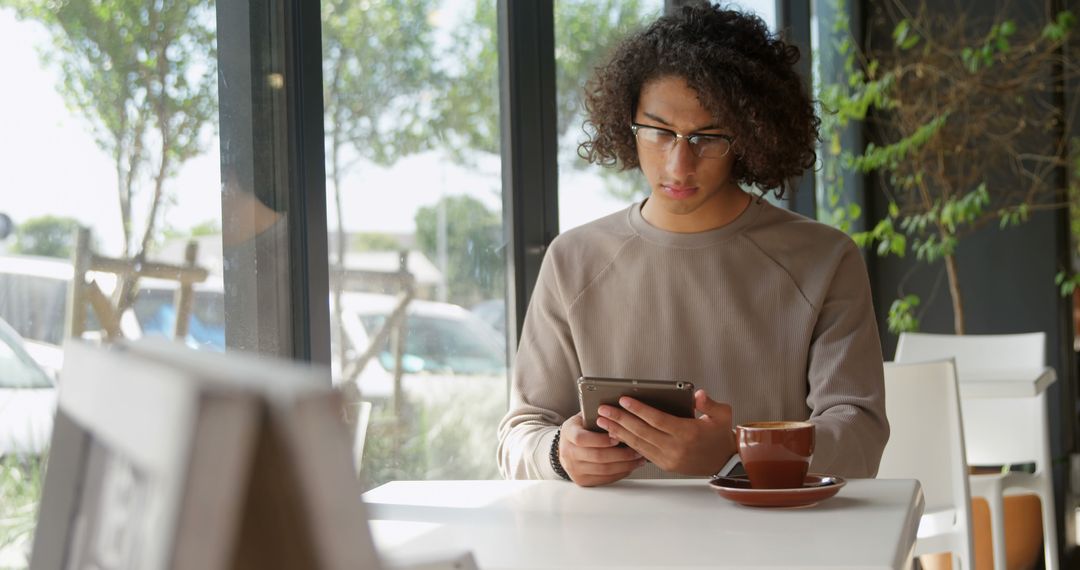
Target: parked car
{"x":33,"y":300}
{"x":444,"y":343}
{"x":27,"y":398}
{"x":492,"y":312}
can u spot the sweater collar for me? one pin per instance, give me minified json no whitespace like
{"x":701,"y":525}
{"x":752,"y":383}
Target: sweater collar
{"x":699,"y":239}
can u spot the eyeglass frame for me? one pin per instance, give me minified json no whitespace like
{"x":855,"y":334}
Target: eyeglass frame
{"x":688,"y":138}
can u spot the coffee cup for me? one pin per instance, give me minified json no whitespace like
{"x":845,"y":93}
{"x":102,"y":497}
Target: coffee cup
{"x":775,"y":455}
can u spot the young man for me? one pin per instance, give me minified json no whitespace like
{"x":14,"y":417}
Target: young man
{"x":767,"y":312}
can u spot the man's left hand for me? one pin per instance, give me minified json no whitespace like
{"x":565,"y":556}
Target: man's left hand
{"x":697,"y":447}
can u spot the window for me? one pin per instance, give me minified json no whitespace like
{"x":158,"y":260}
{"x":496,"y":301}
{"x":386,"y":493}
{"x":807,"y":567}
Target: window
{"x":417,"y":262}
{"x":115,"y":141}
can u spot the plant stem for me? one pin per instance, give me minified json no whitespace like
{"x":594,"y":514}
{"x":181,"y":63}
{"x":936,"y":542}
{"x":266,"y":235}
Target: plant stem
{"x":954,"y":292}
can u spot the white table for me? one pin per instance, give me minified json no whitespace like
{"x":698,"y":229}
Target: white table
{"x":643,"y":524}
{"x":1005,"y":383}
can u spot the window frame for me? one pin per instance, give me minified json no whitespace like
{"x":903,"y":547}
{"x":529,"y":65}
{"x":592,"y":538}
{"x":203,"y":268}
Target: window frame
{"x":529,"y":148}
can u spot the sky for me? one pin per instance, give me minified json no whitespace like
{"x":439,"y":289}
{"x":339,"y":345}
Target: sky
{"x":52,"y":166}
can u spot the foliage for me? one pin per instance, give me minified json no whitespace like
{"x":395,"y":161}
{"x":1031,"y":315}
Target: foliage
{"x":379,"y":79}
{"x":206,"y":228}
{"x":49,"y":236}
{"x":584,"y":32}
{"x":211,"y":227}
{"x":966,"y":133}
{"x":448,"y":432}
{"x":902,"y":314}
{"x":475,"y":267}
{"x":378,"y":82}
{"x":142,"y":75}
{"x":20,"y":490}
{"x":374,"y":241}
{"x":1068,"y":279}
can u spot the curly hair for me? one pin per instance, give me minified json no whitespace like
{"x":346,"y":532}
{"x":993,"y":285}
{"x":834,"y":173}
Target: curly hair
{"x":741,"y":73}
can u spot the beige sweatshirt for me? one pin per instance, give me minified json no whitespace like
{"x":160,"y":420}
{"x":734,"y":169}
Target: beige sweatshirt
{"x":770,"y":313}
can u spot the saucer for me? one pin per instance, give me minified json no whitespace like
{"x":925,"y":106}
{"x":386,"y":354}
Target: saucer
{"x":818,"y":488}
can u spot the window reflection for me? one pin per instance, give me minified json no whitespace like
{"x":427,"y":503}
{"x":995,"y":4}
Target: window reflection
{"x":112,"y":184}
{"x":416,"y":236}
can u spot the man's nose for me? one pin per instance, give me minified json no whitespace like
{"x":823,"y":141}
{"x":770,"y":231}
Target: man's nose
{"x":681,"y":160}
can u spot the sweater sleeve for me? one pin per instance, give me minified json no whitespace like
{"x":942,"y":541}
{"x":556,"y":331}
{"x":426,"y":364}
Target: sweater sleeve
{"x":543,"y":384}
{"x":846,"y":376}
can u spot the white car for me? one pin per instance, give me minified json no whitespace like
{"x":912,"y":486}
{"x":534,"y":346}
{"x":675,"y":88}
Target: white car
{"x":445,"y":345}
{"x":27,"y":398}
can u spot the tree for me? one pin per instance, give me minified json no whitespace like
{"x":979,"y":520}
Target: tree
{"x":967,"y":133}
{"x":49,"y":236}
{"x":142,"y":75}
{"x":475,"y":270}
{"x":377,"y":76}
{"x":378,"y":73}
{"x":374,"y":241}
{"x":585,"y":30}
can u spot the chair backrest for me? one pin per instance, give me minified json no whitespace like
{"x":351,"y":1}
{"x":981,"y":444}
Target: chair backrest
{"x":926,"y":440}
{"x":975,"y":351}
{"x":998,"y":431}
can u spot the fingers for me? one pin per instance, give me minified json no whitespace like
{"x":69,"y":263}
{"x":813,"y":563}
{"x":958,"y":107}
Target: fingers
{"x":640,"y":437}
{"x":597,"y":464}
{"x":622,"y":468}
{"x":628,"y":426}
{"x":573,"y":431}
{"x":660,"y":420}
{"x":606,"y":455}
{"x":718,"y":411}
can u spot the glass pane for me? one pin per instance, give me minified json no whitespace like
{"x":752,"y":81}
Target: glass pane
{"x":836,"y":185}
{"x":765,"y":9}
{"x":416,"y":239}
{"x":113,"y":196}
{"x":585,"y":31}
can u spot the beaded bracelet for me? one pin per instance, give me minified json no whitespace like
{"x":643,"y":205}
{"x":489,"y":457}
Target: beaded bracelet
{"x":554,"y":457}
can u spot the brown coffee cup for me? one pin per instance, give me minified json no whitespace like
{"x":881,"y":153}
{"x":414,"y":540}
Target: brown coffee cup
{"x":775,"y":455}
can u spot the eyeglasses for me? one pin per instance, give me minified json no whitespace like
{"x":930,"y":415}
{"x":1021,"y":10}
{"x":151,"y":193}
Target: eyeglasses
{"x":704,"y":146}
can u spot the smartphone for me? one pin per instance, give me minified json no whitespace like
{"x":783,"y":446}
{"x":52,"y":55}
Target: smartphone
{"x":672,"y":397}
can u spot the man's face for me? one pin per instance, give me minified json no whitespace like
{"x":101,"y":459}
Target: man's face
{"x":689,"y":190}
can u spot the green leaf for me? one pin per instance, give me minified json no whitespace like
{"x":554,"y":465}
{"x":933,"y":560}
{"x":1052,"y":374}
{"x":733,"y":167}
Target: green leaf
{"x":1060,"y":28}
{"x":901,"y":316}
{"x":900,"y":31}
{"x":899,"y":245}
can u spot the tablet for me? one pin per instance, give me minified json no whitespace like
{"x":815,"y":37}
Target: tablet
{"x":670,"y":396}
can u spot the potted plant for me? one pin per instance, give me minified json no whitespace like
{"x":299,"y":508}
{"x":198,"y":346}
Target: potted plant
{"x":968,"y":123}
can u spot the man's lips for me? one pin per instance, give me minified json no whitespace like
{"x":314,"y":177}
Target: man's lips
{"x":678,"y":192}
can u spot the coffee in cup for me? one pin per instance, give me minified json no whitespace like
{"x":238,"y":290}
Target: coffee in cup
{"x":775,"y":455}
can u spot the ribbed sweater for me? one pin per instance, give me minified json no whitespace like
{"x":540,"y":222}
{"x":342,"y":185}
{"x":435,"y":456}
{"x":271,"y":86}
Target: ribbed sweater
{"x":770,"y":313}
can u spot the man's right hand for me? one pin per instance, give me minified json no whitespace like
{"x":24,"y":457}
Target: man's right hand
{"x":591,"y":458}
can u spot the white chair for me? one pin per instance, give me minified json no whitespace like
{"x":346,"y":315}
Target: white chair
{"x":999,"y":431}
{"x":927,"y":443}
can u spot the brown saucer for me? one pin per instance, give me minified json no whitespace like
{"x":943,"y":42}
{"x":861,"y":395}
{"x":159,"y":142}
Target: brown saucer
{"x":817,"y":488}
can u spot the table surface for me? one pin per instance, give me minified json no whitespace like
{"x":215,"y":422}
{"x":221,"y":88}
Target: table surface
{"x":643,"y":524}
{"x":1006,"y":382}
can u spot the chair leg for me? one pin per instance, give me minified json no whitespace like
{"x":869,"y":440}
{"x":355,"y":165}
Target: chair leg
{"x":960,"y":560}
{"x":997,"y":528}
{"x":1046,"y":497}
